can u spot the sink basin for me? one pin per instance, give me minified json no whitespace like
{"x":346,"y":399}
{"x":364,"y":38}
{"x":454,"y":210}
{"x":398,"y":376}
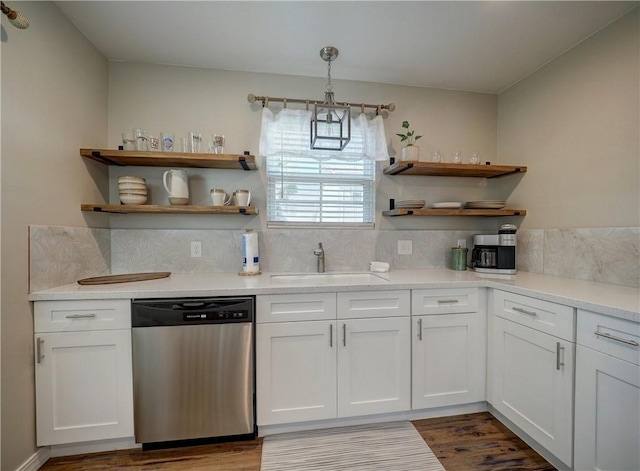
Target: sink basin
{"x":335,"y":278}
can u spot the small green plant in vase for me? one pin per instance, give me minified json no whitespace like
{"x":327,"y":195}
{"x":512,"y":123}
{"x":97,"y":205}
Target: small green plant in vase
{"x":410,"y":151}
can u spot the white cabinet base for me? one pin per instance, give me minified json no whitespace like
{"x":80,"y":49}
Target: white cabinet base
{"x":265,"y":430}
{"x":296,"y":371}
{"x":525,"y":437}
{"x":449,"y":359}
{"x":84,"y":388}
{"x":98,"y":446}
{"x":373,"y":366}
{"x":607,"y":412}
{"x":533,"y":384}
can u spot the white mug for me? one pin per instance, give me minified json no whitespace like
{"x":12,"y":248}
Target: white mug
{"x":219,"y":197}
{"x":177,"y":185}
{"x":241,"y":198}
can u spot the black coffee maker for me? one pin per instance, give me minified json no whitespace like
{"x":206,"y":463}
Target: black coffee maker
{"x":495,"y":253}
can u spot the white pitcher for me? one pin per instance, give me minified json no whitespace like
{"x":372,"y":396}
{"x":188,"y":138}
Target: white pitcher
{"x":176,"y":183}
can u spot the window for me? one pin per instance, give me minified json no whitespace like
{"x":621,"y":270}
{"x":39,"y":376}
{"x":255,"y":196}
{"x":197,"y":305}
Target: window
{"x":317,"y":188}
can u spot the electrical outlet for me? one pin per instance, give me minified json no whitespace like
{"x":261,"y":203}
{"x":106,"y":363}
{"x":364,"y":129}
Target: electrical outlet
{"x":196,"y":248}
{"x":405,"y":247}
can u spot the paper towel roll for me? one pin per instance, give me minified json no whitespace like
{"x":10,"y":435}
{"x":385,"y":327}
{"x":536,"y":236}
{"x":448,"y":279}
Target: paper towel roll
{"x":250,"y":257}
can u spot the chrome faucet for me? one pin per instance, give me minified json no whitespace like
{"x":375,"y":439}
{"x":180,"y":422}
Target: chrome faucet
{"x":319,"y":252}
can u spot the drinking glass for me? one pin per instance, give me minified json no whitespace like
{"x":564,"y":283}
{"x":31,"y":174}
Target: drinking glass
{"x":128,"y":142}
{"x":436,"y":157}
{"x":457,"y":158}
{"x":218,"y":143}
{"x":141,"y":138}
{"x":184,"y":144}
{"x":475,"y":159}
{"x":195,"y":140}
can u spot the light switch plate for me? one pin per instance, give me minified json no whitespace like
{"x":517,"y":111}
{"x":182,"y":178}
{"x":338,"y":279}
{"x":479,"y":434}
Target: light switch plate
{"x":405,"y":247}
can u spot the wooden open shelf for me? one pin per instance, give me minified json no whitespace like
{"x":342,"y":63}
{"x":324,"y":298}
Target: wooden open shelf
{"x":454,"y":212}
{"x":160,"y":209}
{"x":433,"y":169}
{"x":170,"y":159}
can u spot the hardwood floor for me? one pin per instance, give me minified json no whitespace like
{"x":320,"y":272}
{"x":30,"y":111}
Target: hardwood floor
{"x":478,"y":442}
{"x":461,"y":443}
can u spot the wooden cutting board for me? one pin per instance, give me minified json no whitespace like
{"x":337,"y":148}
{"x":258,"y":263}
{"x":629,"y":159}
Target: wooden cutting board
{"x":125,"y":278}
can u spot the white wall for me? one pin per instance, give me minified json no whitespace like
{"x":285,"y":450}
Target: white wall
{"x":181,"y":99}
{"x":54,"y":100}
{"x":575,"y":124}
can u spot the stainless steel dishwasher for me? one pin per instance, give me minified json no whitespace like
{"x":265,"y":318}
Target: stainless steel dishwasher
{"x":193,"y":369}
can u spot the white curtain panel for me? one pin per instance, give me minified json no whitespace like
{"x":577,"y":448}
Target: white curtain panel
{"x":287,"y":132}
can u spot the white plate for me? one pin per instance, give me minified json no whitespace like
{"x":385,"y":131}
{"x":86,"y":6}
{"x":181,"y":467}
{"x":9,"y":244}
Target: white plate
{"x":410,"y":204}
{"x":447,"y":205}
{"x":486,"y":206}
{"x":487,"y":201}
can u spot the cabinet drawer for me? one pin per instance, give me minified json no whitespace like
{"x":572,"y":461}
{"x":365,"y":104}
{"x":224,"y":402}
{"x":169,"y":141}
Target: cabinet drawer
{"x":295,"y":307}
{"x":616,"y":337}
{"x":76,"y":315}
{"x":552,"y":318}
{"x":444,"y":301}
{"x":361,"y":304}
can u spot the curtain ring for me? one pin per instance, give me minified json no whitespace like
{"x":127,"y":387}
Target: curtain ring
{"x":285,"y":102}
{"x":307,"y":104}
{"x":362,"y":108}
{"x":266,"y":101}
{"x":378,"y":110}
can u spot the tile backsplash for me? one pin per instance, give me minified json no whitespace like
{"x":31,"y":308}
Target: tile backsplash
{"x":61,"y":255}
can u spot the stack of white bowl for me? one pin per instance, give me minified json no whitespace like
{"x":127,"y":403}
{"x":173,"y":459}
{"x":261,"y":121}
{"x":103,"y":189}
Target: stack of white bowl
{"x":133,"y":190}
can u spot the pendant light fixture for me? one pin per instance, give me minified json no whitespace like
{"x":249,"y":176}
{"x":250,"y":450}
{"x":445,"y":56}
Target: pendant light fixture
{"x":330,"y":122}
{"x":16,"y":18}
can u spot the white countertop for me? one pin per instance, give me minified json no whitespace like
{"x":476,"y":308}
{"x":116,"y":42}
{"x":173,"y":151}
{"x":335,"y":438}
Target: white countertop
{"x":613,"y":300}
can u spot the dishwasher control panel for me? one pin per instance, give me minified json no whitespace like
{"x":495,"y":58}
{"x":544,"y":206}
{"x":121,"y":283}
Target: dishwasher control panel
{"x":191,"y":311}
{"x":216,"y":316}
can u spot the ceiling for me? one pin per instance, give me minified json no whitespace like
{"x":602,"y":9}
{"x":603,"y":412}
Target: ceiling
{"x":482,"y":46}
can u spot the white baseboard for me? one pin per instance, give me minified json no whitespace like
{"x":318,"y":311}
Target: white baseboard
{"x":265,"y":430}
{"x":37,"y":460}
{"x":94,"y":447}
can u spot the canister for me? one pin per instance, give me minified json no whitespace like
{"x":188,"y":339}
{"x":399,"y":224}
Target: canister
{"x":459,"y":258}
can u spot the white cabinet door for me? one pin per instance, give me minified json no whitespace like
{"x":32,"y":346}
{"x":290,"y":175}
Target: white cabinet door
{"x":296,"y":372}
{"x":448,"y":359}
{"x":374,"y":370}
{"x":84,"y":386}
{"x":533,"y":384}
{"x":607,"y":412}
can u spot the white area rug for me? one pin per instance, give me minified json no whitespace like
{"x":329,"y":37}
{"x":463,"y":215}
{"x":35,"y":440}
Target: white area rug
{"x":393,"y":446}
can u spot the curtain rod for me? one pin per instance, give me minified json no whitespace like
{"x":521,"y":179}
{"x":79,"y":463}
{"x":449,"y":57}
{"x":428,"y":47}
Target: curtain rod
{"x":266,"y":99}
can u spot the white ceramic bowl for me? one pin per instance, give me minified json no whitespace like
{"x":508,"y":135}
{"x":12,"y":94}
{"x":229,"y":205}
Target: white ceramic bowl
{"x":131,"y":186}
{"x":133,"y":199}
{"x":133,"y":192}
{"x":131,"y":179}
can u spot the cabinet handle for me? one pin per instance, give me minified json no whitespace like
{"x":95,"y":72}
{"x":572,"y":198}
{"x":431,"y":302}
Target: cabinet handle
{"x":81,"y":316}
{"x":39,"y":355}
{"x":447,"y":301}
{"x":559,"y":363}
{"x":331,"y":335}
{"x":420,"y":329}
{"x":524,"y":311}
{"x":617,"y":339}
{"x":344,"y":335}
